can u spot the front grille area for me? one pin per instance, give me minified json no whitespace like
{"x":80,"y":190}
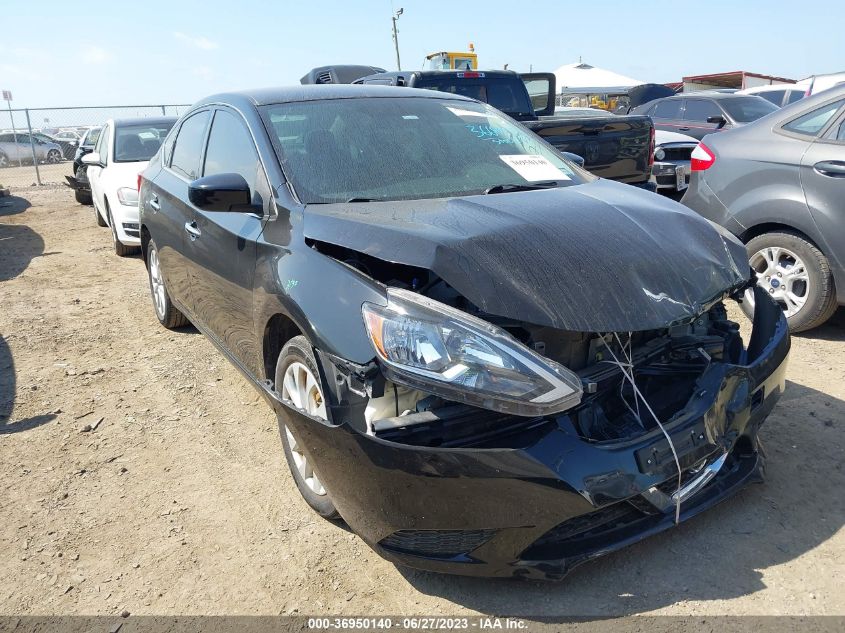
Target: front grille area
{"x":436,"y":543}
{"x":580,"y":533}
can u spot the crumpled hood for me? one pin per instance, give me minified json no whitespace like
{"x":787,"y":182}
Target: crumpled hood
{"x":598,"y":257}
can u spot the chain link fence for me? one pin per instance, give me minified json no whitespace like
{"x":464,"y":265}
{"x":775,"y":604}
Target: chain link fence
{"x":37,"y":145}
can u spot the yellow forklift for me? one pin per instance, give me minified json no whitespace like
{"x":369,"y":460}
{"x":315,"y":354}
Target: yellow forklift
{"x":452,"y":61}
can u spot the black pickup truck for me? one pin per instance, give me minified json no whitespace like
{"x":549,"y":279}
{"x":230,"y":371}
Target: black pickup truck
{"x":619,"y":147}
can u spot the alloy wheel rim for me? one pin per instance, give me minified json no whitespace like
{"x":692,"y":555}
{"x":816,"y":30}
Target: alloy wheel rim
{"x":300,"y":386}
{"x":157,"y":284}
{"x":782,"y":274}
{"x":54,"y":156}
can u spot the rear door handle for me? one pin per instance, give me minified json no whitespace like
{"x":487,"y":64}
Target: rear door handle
{"x":192,"y":230}
{"x":154,"y":205}
{"x":683,"y":129}
{"x":832,"y":168}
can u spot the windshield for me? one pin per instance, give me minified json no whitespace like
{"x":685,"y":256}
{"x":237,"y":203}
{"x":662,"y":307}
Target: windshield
{"x":408,"y":148}
{"x":747,"y":109}
{"x":134,"y":143}
{"x":91,"y":137}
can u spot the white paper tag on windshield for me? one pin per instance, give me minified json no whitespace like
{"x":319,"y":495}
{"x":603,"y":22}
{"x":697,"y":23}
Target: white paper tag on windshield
{"x":533,"y":167}
{"x":462,"y":112}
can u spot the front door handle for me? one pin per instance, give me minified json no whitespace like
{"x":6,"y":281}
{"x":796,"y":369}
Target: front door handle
{"x":683,"y":129}
{"x":832,"y":168}
{"x":192,"y":230}
{"x":154,"y":205}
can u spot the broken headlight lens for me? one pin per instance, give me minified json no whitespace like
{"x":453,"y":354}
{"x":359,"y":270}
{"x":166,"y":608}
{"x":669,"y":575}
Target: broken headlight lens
{"x":427,"y":345}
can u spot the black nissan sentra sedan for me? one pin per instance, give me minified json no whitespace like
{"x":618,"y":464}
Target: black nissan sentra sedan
{"x":484,"y":359}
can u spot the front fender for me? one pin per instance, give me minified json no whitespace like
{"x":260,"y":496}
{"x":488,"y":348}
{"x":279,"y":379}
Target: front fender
{"x":302,"y":281}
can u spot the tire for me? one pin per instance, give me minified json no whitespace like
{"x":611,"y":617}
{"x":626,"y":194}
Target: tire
{"x":120,"y":249}
{"x":816,"y":291}
{"x":85,"y":198}
{"x":4,"y":161}
{"x":295,"y":354}
{"x":54,"y":156}
{"x":166,"y":313}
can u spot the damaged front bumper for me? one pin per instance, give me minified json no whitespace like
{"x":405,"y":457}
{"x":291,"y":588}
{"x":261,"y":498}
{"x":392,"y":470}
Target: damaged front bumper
{"x":539,"y":501}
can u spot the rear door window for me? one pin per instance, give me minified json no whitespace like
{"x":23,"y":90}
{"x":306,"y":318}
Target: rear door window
{"x":775,"y":96}
{"x":669,"y":109}
{"x":701,"y":110}
{"x":188,"y":149}
{"x":813,"y":122}
{"x":794,"y":95}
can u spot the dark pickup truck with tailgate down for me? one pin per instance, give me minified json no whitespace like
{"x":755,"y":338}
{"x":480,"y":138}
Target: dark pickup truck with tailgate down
{"x":619,"y":147}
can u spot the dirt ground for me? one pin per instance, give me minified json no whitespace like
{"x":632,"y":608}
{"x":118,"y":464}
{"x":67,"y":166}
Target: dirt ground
{"x":179,"y":500}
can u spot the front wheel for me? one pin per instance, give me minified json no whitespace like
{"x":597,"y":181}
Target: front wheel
{"x":4,"y":161}
{"x":85,"y":198}
{"x":168,"y":315}
{"x":796,"y":274}
{"x":54,"y":156}
{"x":297,"y":380}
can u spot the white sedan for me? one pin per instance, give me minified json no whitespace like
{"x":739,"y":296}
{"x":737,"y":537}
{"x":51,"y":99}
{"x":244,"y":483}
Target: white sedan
{"x":123,"y":151}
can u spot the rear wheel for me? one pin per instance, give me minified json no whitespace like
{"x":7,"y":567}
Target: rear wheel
{"x":168,"y":315}
{"x":796,"y":274}
{"x":297,"y":380}
{"x":4,"y":161}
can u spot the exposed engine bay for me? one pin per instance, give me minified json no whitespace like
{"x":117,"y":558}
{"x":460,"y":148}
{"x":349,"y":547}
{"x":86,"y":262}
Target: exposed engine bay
{"x":664,"y":365}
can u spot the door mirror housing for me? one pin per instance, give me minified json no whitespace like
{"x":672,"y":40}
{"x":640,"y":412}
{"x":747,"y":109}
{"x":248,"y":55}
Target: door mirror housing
{"x":92,"y":158}
{"x":574,"y":158}
{"x":718,"y":119}
{"x":221,"y":192}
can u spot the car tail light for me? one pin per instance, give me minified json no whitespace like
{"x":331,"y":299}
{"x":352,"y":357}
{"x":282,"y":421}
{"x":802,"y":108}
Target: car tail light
{"x":651,"y":148}
{"x":139,"y":182}
{"x":702,"y":158}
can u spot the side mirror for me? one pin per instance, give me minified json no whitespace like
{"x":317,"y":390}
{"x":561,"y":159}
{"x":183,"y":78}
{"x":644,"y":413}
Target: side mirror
{"x":92,"y":158}
{"x":574,"y":158}
{"x":221,"y":192}
{"x":718,"y":119}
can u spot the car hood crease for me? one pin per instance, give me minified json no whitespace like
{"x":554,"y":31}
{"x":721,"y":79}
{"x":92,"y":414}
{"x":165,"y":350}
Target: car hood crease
{"x":600,"y":257}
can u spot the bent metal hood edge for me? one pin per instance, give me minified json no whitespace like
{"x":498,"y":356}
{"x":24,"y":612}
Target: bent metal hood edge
{"x":597,"y":257}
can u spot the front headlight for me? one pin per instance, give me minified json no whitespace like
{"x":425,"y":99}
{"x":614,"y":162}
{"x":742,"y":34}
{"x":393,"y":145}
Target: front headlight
{"x":659,"y":154}
{"x":427,"y":345}
{"x":128,"y":196}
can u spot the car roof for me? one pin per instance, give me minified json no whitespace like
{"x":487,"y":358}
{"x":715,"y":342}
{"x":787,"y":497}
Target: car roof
{"x":717,"y":96}
{"x":150,"y":120}
{"x":289,"y":94}
{"x":769,"y":88}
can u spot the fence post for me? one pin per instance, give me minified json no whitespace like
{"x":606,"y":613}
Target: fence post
{"x":15,"y":134}
{"x":32,"y":147}
{"x":163,"y":111}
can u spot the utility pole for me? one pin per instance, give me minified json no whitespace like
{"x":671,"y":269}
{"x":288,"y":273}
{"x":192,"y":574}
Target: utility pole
{"x":396,"y":38}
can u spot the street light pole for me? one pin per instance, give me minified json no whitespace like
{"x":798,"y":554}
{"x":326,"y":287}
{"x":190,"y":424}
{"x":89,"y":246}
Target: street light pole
{"x":396,"y":38}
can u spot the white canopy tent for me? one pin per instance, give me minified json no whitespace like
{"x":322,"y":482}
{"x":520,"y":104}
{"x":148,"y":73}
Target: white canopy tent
{"x":583,"y":78}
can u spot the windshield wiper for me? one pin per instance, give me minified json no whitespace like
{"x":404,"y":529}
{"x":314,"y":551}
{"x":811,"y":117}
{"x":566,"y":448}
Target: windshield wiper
{"x":546,"y":184}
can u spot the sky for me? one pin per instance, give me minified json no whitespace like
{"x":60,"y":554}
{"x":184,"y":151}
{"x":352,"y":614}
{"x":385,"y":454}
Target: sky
{"x":153,"y":52}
